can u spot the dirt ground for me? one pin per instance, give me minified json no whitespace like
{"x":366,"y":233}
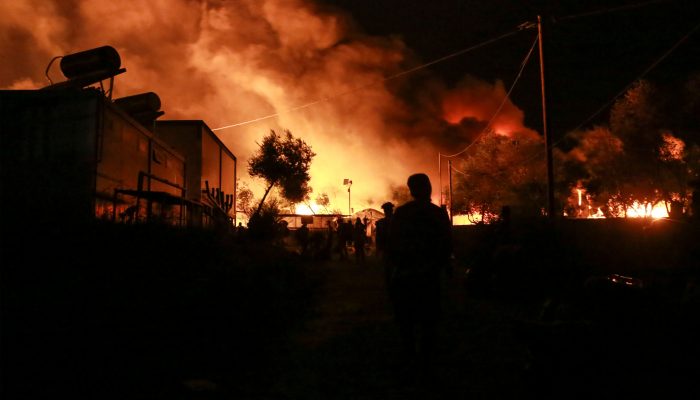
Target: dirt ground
{"x":494,"y":346}
{"x":213,"y":322}
{"x":349,"y":347}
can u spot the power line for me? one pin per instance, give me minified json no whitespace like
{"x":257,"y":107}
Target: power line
{"x":493,"y":117}
{"x":640,"y":76}
{"x":624,"y":90}
{"x":500,"y":107}
{"x":391,"y":77}
{"x":459,"y":172}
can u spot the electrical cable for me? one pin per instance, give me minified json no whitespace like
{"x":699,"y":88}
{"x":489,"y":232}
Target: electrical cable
{"x":391,"y":77}
{"x":624,"y":90}
{"x":500,"y":107}
{"x":459,"y":172}
{"x":646,"y":71}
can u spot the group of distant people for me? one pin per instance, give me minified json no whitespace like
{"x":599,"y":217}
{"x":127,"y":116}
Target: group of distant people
{"x":339,"y":236}
{"x":354,"y":234}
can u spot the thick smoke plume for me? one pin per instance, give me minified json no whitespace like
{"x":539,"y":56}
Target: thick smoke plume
{"x":230,"y":62}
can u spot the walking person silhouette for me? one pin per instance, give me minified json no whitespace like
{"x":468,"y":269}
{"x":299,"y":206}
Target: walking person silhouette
{"x":382,"y":241}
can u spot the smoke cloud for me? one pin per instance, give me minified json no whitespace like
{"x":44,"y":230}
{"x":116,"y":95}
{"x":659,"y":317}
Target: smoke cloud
{"x":227,"y":62}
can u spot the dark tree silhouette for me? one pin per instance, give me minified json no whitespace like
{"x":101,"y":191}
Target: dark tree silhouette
{"x":283,"y":161}
{"x":637,"y":118}
{"x":323,"y":201}
{"x":500,"y":171}
{"x":648,"y":152}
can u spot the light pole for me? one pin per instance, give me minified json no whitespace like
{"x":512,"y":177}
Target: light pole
{"x":348,"y":182}
{"x":449,"y":163}
{"x":440,"y":175}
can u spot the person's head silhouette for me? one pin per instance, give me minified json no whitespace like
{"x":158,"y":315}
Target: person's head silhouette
{"x":388,"y":207}
{"x":419,"y":186}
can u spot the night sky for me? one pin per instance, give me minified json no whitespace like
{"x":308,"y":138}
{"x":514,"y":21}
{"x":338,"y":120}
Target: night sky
{"x":593,"y":50}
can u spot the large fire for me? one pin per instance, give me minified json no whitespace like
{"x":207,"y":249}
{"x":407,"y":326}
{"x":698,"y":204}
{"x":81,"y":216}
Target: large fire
{"x":638,"y":209}
{"x":310,"y":208}
{"x":232,"y":62}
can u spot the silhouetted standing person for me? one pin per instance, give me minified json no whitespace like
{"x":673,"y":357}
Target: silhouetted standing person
{"x":383,"y":238}
{"x":303,"y":238}
{"x":420,"y":246}
{"x":359,"y":238}
{"x":506,"y":251}
{"x":368,"y":229}
{"x":695,"y":200}
{"x":328,"y":245}
{"x":344,"y":236}
{"x":240,"y":230}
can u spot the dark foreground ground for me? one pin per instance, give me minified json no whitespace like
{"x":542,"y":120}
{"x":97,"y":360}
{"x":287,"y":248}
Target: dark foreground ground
{"x":490,"y":347}
{"x":349,"y":348}
{"x":153,"y":314}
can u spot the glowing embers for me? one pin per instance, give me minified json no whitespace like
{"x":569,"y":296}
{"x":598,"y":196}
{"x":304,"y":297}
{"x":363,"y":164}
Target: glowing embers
{"x":628,"y":281}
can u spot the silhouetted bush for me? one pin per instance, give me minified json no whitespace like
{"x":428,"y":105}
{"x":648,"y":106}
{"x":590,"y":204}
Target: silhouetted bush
{"x":265,"y":224}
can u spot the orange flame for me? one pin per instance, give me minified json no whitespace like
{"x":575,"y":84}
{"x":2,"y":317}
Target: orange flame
{"x":639,"y":210}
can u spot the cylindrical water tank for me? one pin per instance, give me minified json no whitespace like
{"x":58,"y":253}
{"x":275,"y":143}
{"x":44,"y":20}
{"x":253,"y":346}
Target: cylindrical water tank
{"x":139,"y":103}
{"x":84,"y":62}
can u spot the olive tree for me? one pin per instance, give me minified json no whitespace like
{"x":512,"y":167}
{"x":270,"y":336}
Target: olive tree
{"x":500,"y":171}
{"x":283,"y":161}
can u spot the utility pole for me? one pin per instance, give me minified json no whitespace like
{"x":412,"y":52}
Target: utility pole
{"x":348,"y":182}
{"x":440,"y":175}
{"x":545,"y":123}
{"x":449,"y":163}
{"x":349,"y":209}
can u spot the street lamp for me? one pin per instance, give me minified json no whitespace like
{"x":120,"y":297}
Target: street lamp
{"x":348,"y":182}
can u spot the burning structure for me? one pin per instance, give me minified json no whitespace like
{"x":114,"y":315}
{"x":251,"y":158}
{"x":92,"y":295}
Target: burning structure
{"x":71,"y":154}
